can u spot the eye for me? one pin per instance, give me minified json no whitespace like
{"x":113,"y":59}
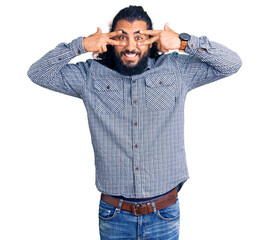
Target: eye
{"x":122,"y":37}
{"x":138,"y":38}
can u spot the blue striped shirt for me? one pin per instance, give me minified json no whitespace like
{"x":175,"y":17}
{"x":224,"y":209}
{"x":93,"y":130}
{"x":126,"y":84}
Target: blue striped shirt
{"x":136,"y":122}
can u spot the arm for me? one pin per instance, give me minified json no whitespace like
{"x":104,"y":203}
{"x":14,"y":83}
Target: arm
{"x":207,"y":61}
{"x":52,"y":71}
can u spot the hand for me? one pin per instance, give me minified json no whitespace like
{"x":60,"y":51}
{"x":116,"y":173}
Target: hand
{"x":166,"y":39}
{"x":97,"y":42}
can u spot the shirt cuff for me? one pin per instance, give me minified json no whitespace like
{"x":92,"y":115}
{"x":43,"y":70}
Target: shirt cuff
{"x":195,"y":43}
{"x":77,"y":46}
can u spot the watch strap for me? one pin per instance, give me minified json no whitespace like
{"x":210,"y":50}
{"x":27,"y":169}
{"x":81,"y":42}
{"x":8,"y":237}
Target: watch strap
{"x":183,"y":45}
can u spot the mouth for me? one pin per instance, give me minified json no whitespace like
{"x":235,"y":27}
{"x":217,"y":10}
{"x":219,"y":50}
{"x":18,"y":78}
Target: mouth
{"x":130,"y":56}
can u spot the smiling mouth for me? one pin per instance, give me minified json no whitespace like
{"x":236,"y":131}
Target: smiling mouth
{"x":128,"y":55}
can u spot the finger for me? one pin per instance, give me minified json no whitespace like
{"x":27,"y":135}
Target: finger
{"x":166,"y":27}
{"x":149,"y":41}
{"x":104,"y":48}
{"x":99,"y":30}
{"x":151,"y":32}
{"x":164,"y":50}
{"x":113,"y":34}
{"x":114,"y":42}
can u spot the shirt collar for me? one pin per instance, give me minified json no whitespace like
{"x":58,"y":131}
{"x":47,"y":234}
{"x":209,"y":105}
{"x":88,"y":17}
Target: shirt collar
{"x":151,"y":62}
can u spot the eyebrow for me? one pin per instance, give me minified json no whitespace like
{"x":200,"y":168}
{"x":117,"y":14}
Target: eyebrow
{"x":137,"y":32}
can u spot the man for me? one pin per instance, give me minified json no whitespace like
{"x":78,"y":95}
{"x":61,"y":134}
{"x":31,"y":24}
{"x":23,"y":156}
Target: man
{"x":134,"y":96}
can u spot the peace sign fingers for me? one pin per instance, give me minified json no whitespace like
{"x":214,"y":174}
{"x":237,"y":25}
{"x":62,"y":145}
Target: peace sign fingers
{"x":149,"y":41}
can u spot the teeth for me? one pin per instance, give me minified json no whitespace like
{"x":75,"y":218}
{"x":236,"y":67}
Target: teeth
{"x":130,"y":55}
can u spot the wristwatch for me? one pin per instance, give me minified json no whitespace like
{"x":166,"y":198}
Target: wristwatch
{"x":184,"y":38}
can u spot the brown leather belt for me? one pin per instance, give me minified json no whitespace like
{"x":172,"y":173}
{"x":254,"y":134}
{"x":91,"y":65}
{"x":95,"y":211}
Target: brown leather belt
{"x":143,"y":208}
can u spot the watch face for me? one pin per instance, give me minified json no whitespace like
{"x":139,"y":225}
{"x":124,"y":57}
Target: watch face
{"x":184,"y":36}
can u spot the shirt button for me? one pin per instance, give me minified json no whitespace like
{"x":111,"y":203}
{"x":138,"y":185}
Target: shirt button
{"x":133,"y":81}
{"x":79,"y":51}
{"x":160,"y":82}
{"x":136,"y":168}
{"x":59,"y":59}
{"x":135,"y":123}
{"x":136,"y":146}
{"x":134,"y":101}
{"x":107,"y":87}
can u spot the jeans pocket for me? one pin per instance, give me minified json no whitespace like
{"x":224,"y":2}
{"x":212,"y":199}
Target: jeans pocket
{"x":170,"y":213}
{"x":106,"y":211}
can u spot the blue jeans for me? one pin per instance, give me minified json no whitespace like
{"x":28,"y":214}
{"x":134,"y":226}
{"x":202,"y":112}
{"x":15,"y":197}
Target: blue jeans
{"x":118,"y":224}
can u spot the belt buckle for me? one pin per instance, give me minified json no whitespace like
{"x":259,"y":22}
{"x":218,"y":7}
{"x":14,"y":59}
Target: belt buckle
{"x":134,"y":208}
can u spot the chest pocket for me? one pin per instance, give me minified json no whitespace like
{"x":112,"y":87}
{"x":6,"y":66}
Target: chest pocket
{"x":108,"y":95}
{"x":160,"y":91}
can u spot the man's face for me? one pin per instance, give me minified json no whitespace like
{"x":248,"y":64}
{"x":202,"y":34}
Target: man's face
{"x":130,"y":55}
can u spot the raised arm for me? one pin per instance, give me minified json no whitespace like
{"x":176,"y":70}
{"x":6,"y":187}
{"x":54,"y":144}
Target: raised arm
{"x":207,"y":61}
{"x":52,"y":71}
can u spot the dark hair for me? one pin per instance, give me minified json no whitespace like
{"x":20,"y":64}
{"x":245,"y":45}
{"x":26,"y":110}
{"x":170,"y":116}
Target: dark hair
{"x":130,"y":14}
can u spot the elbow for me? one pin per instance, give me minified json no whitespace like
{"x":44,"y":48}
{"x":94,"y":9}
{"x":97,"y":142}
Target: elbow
{"x":33,"y":74}
{"x":30,"y":74}
{"x":237,"y":65}
{"x":232,"y":67}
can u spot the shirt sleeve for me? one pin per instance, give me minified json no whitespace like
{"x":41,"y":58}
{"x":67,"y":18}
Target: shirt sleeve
{"x":52,"y":71}
{"x":207,"y":61}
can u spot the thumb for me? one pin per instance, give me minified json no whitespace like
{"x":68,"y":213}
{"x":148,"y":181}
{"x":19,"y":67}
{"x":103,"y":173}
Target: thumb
{"x":166,"y":27}
{"x":99,"y":30}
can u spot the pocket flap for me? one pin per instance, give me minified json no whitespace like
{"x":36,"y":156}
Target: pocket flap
{"x":107,"y":84}
{"x":160,"y":79}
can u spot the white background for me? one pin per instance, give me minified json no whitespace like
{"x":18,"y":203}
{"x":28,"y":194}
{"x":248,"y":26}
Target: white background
{"x":47,"y":165}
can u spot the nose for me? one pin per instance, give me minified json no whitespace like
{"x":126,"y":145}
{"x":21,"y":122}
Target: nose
{"x":130,"y":45}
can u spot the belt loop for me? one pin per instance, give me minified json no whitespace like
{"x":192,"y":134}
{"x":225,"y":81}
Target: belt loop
{"x":119,"y":207}
{"x":154,"y":207}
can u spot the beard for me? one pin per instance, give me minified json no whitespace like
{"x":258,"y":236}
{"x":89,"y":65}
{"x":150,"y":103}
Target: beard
{"x":128,"y":69}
